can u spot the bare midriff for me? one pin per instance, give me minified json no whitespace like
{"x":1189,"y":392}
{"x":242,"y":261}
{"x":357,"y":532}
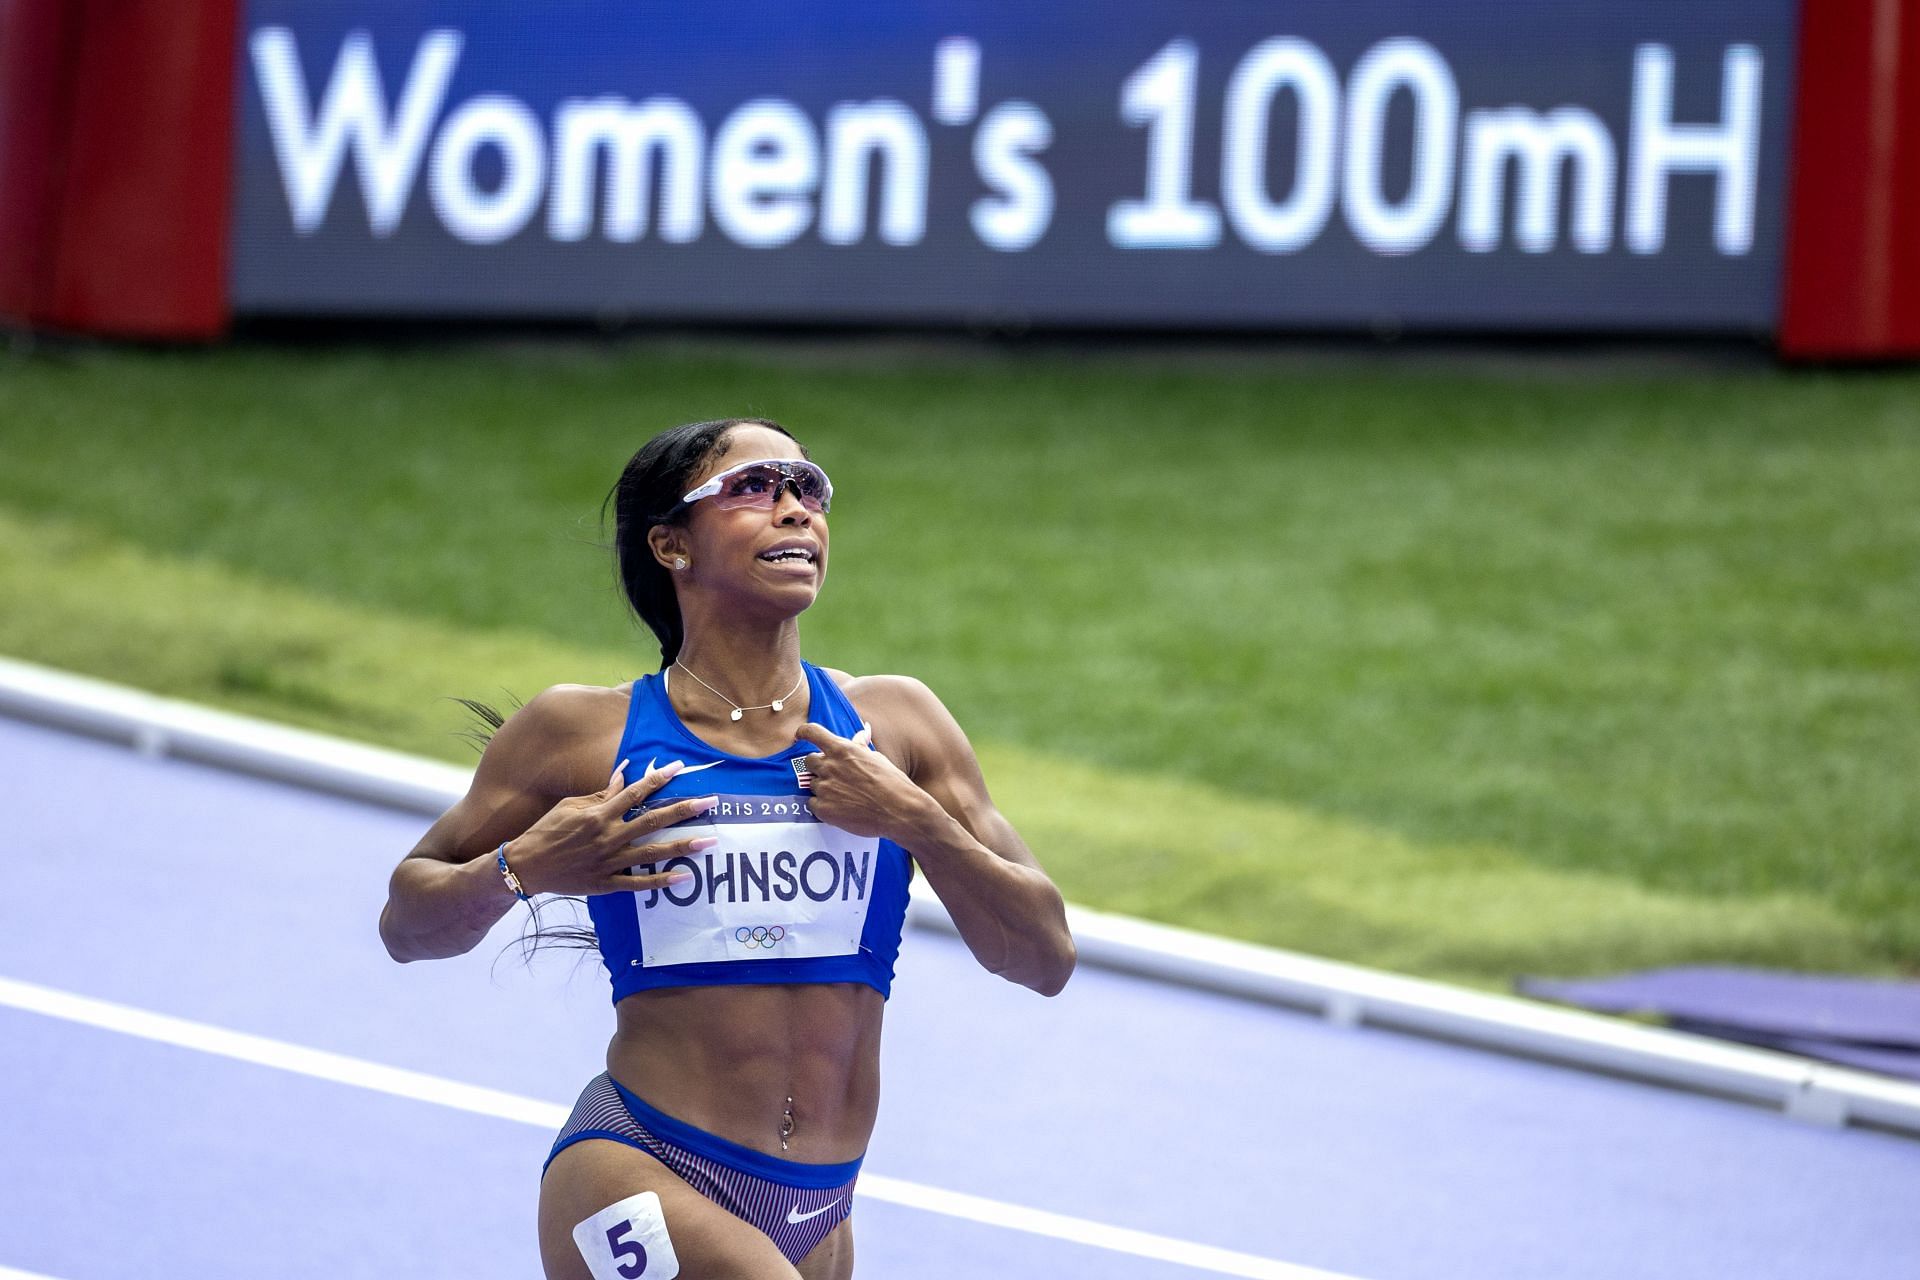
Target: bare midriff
{"x":727,"y":1059}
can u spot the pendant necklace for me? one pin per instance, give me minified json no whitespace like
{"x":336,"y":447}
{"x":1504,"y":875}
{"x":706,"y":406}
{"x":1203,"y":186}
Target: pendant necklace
{"x":778,"y":704}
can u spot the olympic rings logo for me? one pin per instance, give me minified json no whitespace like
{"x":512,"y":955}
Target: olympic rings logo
{"x":767,"y":936}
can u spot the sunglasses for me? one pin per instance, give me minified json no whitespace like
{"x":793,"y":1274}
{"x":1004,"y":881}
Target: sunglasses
{"x":760,"y":484}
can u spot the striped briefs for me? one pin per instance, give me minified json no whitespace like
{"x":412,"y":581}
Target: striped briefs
{"x":795,"y":1204}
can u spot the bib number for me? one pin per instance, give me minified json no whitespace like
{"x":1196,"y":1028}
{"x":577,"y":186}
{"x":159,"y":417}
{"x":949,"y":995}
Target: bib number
{"x":628,"y":1241}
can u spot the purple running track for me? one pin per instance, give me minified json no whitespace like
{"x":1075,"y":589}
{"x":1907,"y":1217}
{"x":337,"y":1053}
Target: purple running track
{"x":241,"y":904}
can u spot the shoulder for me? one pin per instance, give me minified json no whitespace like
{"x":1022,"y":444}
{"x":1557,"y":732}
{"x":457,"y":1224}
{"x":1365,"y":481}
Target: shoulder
{"x":886,"y":693}
{"x":568,"y":710}
{"x":910,"y":723}
{"x":561,"y":741}
{"x":885,"y":686}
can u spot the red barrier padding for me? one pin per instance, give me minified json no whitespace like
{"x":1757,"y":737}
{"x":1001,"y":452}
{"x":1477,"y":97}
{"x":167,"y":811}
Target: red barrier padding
{"x":119,"y":135}
{"x":1852,"y":286}
{"x":37,"y":40}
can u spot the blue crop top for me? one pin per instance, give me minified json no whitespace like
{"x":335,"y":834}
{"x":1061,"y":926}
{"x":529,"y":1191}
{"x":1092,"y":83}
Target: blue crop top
{"x":783,"y":897}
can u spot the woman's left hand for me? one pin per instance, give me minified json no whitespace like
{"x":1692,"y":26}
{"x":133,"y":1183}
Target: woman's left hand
{"x":857,"y":788}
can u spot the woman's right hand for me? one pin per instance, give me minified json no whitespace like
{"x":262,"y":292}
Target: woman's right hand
{"x":584,"y":844}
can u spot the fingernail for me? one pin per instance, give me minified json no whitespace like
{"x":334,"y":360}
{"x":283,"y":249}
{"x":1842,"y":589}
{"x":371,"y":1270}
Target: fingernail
{"x":680,"y":877}
{"x":671,"y":767}
{"x":704,"y":803}
{"x":704,"y":842}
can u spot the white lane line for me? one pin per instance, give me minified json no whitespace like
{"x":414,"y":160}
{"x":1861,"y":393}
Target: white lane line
{"x":263,"y":1052}
{"x":8,"y":1273}
{"x":1097,"y":1235}
{"x":417,"y":1086}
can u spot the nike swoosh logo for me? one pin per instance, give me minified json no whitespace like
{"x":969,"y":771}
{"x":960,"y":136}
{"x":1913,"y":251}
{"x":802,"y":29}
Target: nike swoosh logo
{"x":692,"y":768}
{"x":795,"y":1217}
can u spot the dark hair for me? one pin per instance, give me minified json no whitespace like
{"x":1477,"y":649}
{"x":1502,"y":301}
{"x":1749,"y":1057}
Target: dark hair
{"x":647,"y":494}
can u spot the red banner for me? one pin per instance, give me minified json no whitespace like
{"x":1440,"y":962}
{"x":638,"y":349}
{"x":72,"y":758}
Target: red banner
{"x":1853,"y":260}
{"x":116,"y":165}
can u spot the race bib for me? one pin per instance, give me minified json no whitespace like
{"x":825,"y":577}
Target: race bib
{"x":779,"y":885}
{"x":628,"y":1241}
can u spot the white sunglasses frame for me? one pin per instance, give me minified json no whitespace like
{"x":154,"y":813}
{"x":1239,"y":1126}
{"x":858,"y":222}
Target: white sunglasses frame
{"x":712,"y":487}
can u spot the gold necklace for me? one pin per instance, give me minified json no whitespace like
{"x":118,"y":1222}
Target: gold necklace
{"x":778,"y":704}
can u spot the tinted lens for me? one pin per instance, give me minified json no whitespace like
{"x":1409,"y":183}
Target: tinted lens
{"x":760,"y":485}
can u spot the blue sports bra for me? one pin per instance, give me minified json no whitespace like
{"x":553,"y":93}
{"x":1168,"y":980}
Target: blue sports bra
{"x":783,"y":897}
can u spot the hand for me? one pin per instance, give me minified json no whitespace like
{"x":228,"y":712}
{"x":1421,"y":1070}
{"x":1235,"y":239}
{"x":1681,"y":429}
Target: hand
{"x":857,"y":788}
{"x":584,"y":844}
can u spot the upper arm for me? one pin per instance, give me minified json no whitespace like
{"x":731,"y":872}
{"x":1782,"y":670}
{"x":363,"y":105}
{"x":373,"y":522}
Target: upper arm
{"x":917,"y":732}
{"x":543,"y":753}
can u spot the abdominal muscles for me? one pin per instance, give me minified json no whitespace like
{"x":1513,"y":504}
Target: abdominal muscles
{"x":726,"y":1059}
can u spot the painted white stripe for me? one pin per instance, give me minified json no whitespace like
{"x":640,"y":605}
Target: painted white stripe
{"x":9,"y":1273}
{"x":1039,"y":1222}
{"x":417,"y":1086}
{"x":264,"y":1052}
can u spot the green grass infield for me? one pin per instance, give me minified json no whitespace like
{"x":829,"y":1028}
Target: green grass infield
{"x":1465,"y":674}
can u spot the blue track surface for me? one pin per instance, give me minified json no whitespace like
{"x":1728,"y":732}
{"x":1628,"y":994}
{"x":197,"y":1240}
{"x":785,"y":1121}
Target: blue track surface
{"x":248,"y":905}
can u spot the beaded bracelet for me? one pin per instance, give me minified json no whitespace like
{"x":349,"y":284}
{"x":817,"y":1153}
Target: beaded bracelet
{"x":506,"y":873}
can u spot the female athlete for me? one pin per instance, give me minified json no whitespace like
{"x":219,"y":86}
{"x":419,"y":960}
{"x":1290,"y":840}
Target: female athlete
{"x":746,"y":870}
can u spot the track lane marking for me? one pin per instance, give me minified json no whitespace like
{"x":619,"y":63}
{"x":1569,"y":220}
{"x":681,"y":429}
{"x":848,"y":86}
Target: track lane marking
{"x":418,"y":1086}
